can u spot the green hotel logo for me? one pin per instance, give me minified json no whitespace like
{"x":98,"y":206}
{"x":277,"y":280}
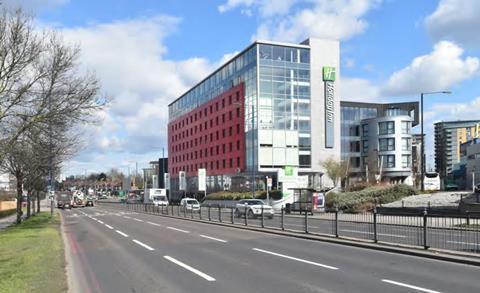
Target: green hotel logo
{"x":288,"y":171}
{"x":328,"y":73}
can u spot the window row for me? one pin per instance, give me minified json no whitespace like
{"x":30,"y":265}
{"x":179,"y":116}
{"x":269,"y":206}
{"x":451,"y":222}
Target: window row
{"x":205,"y":139}
{"x":195,"y":130}
{"x":204,"y":112}
{"x":384,"y":144}
{"x":212,"y":151}
{"x":210,"y":166}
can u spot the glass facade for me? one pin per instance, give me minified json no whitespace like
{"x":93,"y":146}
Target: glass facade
{"x":284,"y":94}
{"x":350,"y":127}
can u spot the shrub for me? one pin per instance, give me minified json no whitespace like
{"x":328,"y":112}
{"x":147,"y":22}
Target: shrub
{"x":230,"y":195}
{"x":359,"y":201}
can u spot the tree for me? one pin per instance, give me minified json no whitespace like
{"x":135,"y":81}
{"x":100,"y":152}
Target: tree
{"x":43,"y":98}
{"x":336,"y":170}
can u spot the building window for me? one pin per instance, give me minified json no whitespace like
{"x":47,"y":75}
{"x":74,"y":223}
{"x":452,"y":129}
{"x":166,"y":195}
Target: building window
{"x":406,"y":127}
{"x":387,"y":127}
{"x":388,"y":161}
{"x":224,"y":164}
{"x":406,"y":161}
{"x":386,"y":144}
{"x":238,"y":145}
{"x":406,"y":144}
{"x":238,"y":162}
{"x":355,"y":146}
{"x":231,"y":163}
{"x":365,"y":145}
{"x":355,"y":162}
{"x":365,"y":130}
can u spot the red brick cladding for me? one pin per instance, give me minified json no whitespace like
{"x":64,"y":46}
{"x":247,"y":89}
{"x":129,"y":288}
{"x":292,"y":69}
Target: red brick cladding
{"x":211,"y":136}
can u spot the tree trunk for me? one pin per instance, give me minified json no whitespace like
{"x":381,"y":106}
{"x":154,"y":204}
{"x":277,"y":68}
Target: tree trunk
{"x":38,"y":201}
{"x":28,"y":204}
{"x":19,"y":178}
{"x":33,"y":205}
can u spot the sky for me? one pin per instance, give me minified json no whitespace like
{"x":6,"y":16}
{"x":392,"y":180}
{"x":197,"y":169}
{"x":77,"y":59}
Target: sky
{"x":146,"y":53}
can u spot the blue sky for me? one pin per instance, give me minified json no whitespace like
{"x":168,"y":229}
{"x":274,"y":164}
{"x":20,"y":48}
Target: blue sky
{"x":148,"y":52}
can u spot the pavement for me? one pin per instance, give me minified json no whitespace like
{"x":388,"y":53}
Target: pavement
{"x":10,"y":220}
{"x":437,"y":199}
{"x":114,"y":250}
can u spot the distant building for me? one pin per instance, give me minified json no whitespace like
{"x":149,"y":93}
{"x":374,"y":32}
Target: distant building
{"x":377,"y":139}
{"x":6,"y":182}
{"x":449,"y":135}
{"x":469,"y":164}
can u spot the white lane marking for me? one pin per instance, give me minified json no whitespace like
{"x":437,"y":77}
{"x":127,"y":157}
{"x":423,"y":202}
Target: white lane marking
{"x":409,"y":286}
{"x":108,"y":226}
{"x":364,"y":232}
{"x":185,"y":266}
{"x":179,"y":230}
{"x":212,"y":238}
{"x":95,"y":219}
{"x":154,"y":224}
{"x":101,"y":222}
{"x":461,"y":242}
{"x":127,"y":217}
{"x":138,"y":220}
{"x":121,"y":233}
{"x":143,"y":244}
{"x":297,"y":259}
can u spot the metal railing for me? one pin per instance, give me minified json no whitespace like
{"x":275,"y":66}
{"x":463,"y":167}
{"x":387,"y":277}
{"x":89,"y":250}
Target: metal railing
{"x":423,"y":230}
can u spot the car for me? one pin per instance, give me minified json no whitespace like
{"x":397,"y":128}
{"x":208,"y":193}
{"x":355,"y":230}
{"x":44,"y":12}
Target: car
{"x":90,"y":202}
{"x":477,"y":188}
{"x":189,"y":204}
{"x":253,"y":208}
{"x":160,"y":200}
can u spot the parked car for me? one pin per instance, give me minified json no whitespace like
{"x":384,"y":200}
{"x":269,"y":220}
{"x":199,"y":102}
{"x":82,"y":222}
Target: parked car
{"x":160,"y":200}
{"x":477,"y":188}
{"x":253,"y":208}
{"x":189,"y":204}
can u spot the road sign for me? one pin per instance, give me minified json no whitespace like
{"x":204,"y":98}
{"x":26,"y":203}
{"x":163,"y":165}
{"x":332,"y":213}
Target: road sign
{"x":182,"y":181}
{"x":202,"y":179}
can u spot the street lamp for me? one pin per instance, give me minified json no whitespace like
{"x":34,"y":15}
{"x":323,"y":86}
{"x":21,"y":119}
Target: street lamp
{"x":423,"y":135}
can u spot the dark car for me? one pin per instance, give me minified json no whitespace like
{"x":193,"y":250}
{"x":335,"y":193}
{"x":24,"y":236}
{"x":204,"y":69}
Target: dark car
{"x":89,"y":202}
{"x":477,"y":188}
{"x":64,"y":201}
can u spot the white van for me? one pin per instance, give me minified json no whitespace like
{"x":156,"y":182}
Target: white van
{"x":160,"y":200}
{"x":189,"y":204}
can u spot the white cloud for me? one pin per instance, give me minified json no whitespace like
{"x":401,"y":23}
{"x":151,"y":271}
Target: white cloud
{"x":129,"y":59}
{"x":440,"y":70}
{"x":456,"y":20}
{"x":359,"y":90}
{"x":295,"y":20}
{"x":456,"y":111}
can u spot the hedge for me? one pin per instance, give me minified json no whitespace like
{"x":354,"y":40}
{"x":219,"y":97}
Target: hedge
{"x":359,"y":201}
{"x":229,"y":195}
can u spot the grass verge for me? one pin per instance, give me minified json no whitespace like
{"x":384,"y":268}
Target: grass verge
{"x":32,"y":256}
{"x":7,"y":213}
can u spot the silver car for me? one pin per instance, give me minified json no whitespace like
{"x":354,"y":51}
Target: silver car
{"x":253,"y":208}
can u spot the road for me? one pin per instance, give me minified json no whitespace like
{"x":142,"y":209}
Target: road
{"x":113,"y":250}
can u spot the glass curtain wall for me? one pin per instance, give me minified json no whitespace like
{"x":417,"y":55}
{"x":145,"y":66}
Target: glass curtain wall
{"x":350,"y":127}
{"x":284,"y":93}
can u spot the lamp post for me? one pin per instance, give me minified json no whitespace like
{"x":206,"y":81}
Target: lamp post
{"x":423,"y":135}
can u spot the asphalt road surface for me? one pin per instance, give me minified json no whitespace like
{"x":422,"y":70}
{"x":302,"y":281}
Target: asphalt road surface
{"x":113,"y":250}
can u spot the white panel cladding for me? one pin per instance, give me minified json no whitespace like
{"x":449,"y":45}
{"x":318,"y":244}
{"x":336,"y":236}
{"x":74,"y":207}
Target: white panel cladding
{"x":265,"y":136}
{"x":292,"y":156}
{"x":323,"y":53}
{"x":266,"y":156}
{"x":279,"y":156}
{"x":291,"y":138}
{"x":279,"y":138}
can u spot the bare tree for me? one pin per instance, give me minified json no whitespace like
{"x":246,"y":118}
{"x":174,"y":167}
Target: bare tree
{"x":336,"y":170}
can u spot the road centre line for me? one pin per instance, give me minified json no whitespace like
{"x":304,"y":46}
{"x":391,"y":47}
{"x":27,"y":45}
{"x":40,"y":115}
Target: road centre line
{"x":108,"y":226}
{"x":127,"y":217}
{"x":179,"y":230}
{"x":461,"y":242}
{"x":121,"y":233}
{"x":297,"y":259}
{"x":101,"y":222}
{"x":365,"y":232}
{"x":154,"y":224}
{"x":213,"y":238}
{"x":409,"y":286}
{"x":189,"y":268}
{"x":143,"y":244}
{"x":138,"y":220}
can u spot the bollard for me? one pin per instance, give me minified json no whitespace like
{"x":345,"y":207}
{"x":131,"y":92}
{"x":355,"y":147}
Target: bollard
{"x":231,"y":215}
{"x":425,"y":246}
{"x":336,"y":222}
{"x":200,"y":211}
{"x":192,"y":213}
{"x":282,"y":219}
{"x":209,"y":215}
{"x":51,"y":208}
{"x":375,"y":239}
{"x":468,"y":218}
{"x":185,"y":211}
{"x":162,"y":209}
{"x":306,"y":221}
{"x":219,"y":214}
{"x":246,"y":217}
{"x":178,"y":211}
{"x":263,"y":223}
